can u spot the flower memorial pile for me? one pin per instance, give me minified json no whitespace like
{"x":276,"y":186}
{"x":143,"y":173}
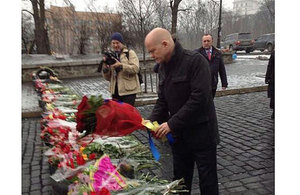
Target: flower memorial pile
{"x":89,"y":146}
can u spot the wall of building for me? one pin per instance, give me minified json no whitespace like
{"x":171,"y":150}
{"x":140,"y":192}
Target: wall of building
{"x":245,"y":7}
{"x":66,"y":26}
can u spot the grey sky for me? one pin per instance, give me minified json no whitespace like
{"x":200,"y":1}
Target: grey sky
{"x":81,"y":5}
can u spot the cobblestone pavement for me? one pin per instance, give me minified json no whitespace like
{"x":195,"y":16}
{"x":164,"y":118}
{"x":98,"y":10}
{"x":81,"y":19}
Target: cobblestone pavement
{"x":29,"y":98}
{"x":245,"y":155}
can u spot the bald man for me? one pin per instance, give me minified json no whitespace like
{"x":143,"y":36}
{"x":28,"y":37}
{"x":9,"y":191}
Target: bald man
{"x":185,"y":108}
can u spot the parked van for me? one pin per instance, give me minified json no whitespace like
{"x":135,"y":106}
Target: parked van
{"x":238,"y":42}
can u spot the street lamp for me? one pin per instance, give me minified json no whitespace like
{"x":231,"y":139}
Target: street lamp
{"x":219,"y":28}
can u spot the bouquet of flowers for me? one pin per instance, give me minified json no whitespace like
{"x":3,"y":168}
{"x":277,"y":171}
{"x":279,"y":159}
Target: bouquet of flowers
{"x":85,"y":116}
{"x":104,"y":178}
{"x":107,"y":118}
{"x":117,"y":119}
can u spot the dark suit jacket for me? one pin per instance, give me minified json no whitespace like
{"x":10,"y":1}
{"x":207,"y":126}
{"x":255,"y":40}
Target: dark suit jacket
{"x":216,"y":65}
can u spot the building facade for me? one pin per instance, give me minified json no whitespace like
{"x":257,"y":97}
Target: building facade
{"x":245,"y":7}
{"x":72,"y":32}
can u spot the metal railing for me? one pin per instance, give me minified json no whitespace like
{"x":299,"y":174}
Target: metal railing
{"x":150,"y":80}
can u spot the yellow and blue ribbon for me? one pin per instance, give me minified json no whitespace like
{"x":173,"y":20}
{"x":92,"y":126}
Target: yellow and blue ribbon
{"x":153,"y":127}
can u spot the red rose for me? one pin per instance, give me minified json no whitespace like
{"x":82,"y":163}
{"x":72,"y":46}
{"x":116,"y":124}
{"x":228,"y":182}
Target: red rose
{"x":80,"y":160}
{"x":62,"y":117}
{"x":50,"y":130}
{"x":104,"y":191}
{"x":63,"y":131}
{"x":66,"y":149}
{"x":83,"y":106}
{"x":76,"y":153}
{"x":92,"y":156}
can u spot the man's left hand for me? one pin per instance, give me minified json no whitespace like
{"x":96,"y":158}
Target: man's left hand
{"x":162,"y":130}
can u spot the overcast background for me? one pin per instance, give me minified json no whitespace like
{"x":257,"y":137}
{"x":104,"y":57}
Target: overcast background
{"x":81,"y":5}
{"x":287,"y":106}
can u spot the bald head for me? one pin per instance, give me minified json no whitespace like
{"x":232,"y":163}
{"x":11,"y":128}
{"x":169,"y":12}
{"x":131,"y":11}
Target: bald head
{"x":158,"y":35}
{"x":160,"y":44}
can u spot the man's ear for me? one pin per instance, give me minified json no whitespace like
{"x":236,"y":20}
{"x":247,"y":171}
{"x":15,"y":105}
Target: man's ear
{"x":164,"y":43}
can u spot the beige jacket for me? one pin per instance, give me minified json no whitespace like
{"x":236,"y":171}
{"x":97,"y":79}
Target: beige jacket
{"x":128,"y":81}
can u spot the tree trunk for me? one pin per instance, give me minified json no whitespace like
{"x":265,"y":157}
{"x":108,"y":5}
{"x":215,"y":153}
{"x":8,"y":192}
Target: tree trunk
{"x":40,"y":33}
{"x":174,"y":7}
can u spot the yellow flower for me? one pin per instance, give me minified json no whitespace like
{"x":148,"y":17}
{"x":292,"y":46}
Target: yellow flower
{"x":81,"y":149}
{"x":85,"y":157}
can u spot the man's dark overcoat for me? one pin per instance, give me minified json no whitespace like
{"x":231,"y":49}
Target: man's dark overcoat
{"x":185,"y":97}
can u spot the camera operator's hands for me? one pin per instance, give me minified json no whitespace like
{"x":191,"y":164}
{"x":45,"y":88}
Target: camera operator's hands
{"x":105,"y":67}
{"x":116,"y":65}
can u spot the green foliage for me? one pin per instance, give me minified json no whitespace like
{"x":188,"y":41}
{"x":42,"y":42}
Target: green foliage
{"x":90,"y":119}
{"x":93,"y":148}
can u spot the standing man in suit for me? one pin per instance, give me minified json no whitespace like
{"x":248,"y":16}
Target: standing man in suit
{"x":216,"y":64}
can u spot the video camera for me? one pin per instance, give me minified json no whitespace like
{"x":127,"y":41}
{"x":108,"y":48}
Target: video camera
{"x":110,"y":59}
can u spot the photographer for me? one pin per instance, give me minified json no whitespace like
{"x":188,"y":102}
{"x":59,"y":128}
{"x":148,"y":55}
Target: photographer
{"x":120,"y":68}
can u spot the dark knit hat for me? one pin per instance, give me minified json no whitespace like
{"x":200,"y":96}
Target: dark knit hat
{"x":117,"y":36}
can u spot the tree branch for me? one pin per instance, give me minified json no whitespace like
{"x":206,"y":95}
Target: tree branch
{"x":25,"y":10}
{"x":187,"y":9}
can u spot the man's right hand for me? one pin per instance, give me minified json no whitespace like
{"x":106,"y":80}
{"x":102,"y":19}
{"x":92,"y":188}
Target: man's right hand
{"x":162,"y":130}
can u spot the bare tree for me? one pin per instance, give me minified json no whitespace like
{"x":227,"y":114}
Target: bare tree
{"x":83,"y":37}
{"x":163,"y":14}
{"x":266,"y":14}
{"x":187,"y":25}
{"x":105,"y":23}
{"x":269,"y":5}
{"x":28,"y":41}
{"x":211,"y":16}
{"x":227,"y":22}
{"x":194,"y":22}
{"x":137,"y":16}
{"x":40,"y":32}
{"x":174,"y":5}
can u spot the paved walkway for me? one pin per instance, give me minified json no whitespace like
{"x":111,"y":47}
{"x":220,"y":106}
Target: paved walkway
{"x":245,"y":155}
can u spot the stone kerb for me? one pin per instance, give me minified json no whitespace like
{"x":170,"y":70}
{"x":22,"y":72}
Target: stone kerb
{"x":67,"y":69}
{"x":151,"y":99}
{"x":241,"y":90}
{"x":227,"y":57}
{"x":70,"y":68}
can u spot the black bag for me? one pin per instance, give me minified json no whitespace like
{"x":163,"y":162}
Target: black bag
{"x":139,"y":73}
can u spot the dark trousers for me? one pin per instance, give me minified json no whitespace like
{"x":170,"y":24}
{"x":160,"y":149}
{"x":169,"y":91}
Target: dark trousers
{"x":183,"y":165}
{"x":214,"y":92}
{"x":129,"y":99}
